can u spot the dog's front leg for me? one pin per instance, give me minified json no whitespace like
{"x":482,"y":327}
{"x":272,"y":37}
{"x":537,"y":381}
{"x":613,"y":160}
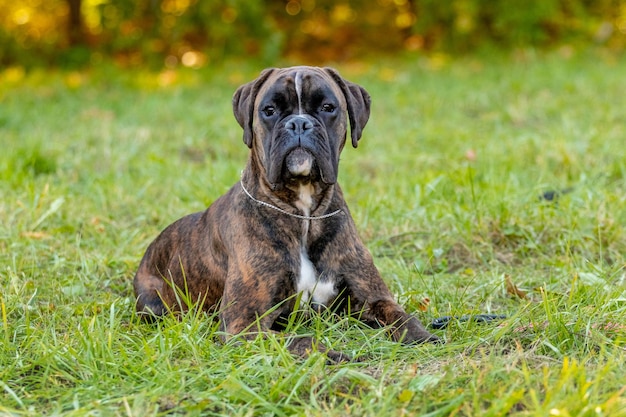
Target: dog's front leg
{"x":253,"y":301}
{"x":370,"y":294}
{"x":404,"y":327}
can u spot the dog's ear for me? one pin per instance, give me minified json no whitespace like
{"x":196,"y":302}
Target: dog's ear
{"x":359,"y":102}
{"x":243,"y":104}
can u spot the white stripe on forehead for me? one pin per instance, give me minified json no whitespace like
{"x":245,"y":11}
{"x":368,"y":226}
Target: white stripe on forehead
{"x":299,"y":90}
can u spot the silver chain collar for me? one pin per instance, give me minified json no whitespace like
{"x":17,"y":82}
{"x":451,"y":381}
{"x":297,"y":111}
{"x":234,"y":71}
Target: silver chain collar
{"x":297,"y":216}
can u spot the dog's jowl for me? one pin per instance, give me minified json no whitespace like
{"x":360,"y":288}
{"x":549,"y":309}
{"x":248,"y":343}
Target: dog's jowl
{"x":284,"y":228}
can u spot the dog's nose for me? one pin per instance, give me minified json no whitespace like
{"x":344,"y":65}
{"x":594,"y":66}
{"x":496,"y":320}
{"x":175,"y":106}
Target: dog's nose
{"x":298,"y":125}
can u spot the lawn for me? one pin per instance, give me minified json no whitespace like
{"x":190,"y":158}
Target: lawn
{"x":481,"y":185}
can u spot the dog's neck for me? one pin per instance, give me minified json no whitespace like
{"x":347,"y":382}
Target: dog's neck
{"x":301,"y":196}
{"x":304,"y":204}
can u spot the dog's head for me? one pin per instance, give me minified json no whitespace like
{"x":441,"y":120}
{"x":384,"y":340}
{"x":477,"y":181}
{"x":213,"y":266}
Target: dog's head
{"x":295,"y":121}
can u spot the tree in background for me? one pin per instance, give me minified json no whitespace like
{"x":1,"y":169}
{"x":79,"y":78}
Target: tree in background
{"x":323,"y":30}
{"x":133,"y":32}
{"x":75,"y":34}
{"x":194,"y":32}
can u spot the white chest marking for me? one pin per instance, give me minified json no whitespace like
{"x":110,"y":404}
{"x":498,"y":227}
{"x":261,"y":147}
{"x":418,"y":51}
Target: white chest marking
{"x":312,"y":289}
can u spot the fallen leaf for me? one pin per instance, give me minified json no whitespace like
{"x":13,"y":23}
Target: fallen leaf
{"x":610,"y":327}
{"x":35,"y":235}
{"x":512,"y":289}
{"x":423,"y":304}
{"x":406,"y":395}
{"x":531,"y":327}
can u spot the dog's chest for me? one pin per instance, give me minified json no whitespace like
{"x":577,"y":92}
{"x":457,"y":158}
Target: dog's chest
{"x":314,"y":288}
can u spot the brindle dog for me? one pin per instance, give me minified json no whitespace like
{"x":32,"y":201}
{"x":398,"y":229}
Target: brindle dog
{"x":285,"y":228}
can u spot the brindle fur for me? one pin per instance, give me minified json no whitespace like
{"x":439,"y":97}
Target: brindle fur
{"x":242,"y":259}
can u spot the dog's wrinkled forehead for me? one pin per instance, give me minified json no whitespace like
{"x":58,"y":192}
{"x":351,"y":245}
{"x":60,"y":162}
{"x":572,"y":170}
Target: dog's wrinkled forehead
{"x":299,"y":90}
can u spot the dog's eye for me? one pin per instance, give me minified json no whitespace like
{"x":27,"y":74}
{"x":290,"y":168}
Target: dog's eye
{"x":269,"y":111}
{"x":328,"y":108}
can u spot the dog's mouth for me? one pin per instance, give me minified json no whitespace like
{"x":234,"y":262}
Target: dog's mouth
{"x":299,"y":163}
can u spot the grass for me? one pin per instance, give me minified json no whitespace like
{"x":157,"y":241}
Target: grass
{"x":444,"y":189}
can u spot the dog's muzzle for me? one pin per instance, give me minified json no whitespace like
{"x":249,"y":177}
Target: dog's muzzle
{"x":301,"y":151}
{"x":299,"y":162}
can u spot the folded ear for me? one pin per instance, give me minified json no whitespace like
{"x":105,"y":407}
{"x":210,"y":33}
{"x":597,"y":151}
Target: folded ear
{"x":243,"y":104}
{"x":359,"y":102}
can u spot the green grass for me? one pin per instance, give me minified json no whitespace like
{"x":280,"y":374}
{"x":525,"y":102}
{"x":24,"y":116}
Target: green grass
{"x":444,"y":189}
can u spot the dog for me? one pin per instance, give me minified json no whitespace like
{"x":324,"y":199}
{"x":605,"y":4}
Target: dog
{"x":283,"y":233}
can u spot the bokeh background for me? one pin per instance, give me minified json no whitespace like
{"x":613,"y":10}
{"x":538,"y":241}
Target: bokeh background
{"x":197,"y":33}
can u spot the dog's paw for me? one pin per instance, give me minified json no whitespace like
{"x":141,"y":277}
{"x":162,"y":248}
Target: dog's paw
{"x":303,"y":346}
{"x":335,"y":358}
{"x":422,"y":337}
{"x":151,"y":312}
{"x":434,"y":340}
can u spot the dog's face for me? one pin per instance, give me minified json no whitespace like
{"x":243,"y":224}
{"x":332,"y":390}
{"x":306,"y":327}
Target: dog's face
{"x":295,"y":121}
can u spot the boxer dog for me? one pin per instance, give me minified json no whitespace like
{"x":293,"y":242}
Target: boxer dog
{"x":283,"y":233}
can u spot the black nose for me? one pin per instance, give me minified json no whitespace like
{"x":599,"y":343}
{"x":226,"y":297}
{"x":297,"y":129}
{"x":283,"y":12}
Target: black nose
{"x":299,"y":125}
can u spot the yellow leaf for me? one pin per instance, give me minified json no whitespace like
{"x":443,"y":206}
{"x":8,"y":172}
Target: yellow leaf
{"x":35,"y":235}
{"x":423,"y":304}
{"x":512,"y":289}
{"x":406,"y":395}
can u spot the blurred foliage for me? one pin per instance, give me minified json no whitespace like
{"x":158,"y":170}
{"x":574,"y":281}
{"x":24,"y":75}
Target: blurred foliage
{"x":467,"y":24}
{"x":323,"y":30}
{"x":195,"y":32}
